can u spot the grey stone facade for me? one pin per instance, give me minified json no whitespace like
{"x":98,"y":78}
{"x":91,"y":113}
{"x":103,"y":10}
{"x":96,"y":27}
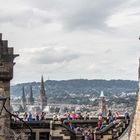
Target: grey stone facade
{"x":6,"y":74}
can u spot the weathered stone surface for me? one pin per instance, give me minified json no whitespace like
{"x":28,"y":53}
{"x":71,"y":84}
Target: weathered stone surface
{"x":6,"y":74}
{"x":135,"y":128}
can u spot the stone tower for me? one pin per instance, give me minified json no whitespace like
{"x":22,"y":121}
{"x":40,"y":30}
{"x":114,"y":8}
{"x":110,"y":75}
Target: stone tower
{"x":102,"y":105}
{"x":139,"y":75}
{"x":43,"y":97}
{"x":135,"y":126}
{"x":31,"y":99}
{"x":23,"y":99}
{"x":6,"y":74}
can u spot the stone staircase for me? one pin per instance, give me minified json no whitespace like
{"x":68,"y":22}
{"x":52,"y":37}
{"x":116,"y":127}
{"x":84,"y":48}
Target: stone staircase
{"x":62,"y":132}
{"x":113,"y":131}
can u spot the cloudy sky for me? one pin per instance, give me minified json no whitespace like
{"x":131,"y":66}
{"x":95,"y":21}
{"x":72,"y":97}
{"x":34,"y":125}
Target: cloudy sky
{"x":72,"y":39}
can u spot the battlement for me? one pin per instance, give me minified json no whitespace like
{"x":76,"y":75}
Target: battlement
{"x":6,"y":60}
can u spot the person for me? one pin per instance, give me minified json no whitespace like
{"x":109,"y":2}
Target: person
{"x":86,"y":117}
{"x":55,"y":118}
{"x":80,"y":117}
{"x":43,"y":115}
{"x":73,"y":115}
{"x":126,"y":114}
{"x":71,"y":126}
{"x":30,"y":116}
{"x":103,"y":124}
{"x":25,"y":115}
{"x":110,"y":117}
{"x":99,"y":123}
{"x":109,"y":113}
{"x":37,"y":116}
{"x":69,"y":116}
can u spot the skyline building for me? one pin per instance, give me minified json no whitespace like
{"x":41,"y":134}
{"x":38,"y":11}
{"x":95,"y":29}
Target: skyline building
{"x":102,"y":104}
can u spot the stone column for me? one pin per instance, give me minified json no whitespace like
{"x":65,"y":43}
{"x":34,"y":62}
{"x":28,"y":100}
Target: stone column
{"x":5,"y":117}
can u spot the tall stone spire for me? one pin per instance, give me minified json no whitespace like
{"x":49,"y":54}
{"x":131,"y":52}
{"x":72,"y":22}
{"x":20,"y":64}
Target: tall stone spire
{"x":102,"y":104}
{"x":43,"y":97}
{"x":23,"y":99}
{"x":31,"y":98}
{"x":6,"y":74}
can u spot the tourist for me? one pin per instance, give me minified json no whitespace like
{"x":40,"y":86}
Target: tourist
{"x":55,"y":118}
{"x":37,"y":117}
{"x":79,"y":116}
{"x":103,"y":124}
{"x":43,"y":115}
{"x":25,"y":115}
{"x":29,"y":118}
{"x":99,"y":123}
{"x":71,"y":125}
{"x":126,"y":114}
{"x":110,"y":117}
{"x":73,"y":116}
{"x":86,"y":117}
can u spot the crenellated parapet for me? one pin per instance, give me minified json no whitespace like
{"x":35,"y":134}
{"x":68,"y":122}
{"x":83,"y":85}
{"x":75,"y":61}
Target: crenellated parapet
{"x":6,"y":60}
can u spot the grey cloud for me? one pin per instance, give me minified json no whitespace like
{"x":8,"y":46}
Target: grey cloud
{"x":24,"y":17}
{"x":81,"y":14}
{"x":72,"y":14}
{"x":108,"y":51}
{"x":52,"y":55}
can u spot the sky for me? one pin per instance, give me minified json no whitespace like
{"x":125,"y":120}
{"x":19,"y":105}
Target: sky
{"x":72,"y":39}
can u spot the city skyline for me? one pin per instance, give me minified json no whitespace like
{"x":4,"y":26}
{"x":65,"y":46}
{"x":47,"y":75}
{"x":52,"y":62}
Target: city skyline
{"x":72,"y":39}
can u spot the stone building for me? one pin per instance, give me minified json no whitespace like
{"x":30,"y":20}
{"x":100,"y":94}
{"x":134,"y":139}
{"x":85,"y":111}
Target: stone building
{"x":6,"y":74}
{"x":102,"y":104}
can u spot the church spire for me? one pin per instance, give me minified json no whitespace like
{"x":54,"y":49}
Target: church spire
{"x":43,"y":98}
{"x":23,"y":99}
{"x":31,"y":96}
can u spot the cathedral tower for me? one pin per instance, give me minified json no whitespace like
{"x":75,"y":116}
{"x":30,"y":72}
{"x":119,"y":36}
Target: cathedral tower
{"x":43,"y":97}
{"x":102,"y":105}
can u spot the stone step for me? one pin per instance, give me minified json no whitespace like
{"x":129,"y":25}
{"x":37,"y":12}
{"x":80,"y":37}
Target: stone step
{"x":106,"y":137}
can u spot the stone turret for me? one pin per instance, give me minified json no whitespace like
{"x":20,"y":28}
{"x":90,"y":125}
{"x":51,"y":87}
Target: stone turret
{"x":43,"y":97}
{"x":23,"y":99}
{"x":31,"y":98}
{"x":102,"y":105}
{"x":6,"y":74}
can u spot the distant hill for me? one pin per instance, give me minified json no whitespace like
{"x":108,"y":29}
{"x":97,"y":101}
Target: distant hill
{"x":77,"y":86}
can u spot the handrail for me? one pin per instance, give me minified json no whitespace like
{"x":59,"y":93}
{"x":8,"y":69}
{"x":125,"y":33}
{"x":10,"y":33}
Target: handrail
{"x":20,"y":120}
{"x":106,"y":128}
{"x":125,"y":131}
{"x":65,"y":126}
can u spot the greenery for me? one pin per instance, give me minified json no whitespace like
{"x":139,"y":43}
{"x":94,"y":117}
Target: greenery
{"x":80,"y":91}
